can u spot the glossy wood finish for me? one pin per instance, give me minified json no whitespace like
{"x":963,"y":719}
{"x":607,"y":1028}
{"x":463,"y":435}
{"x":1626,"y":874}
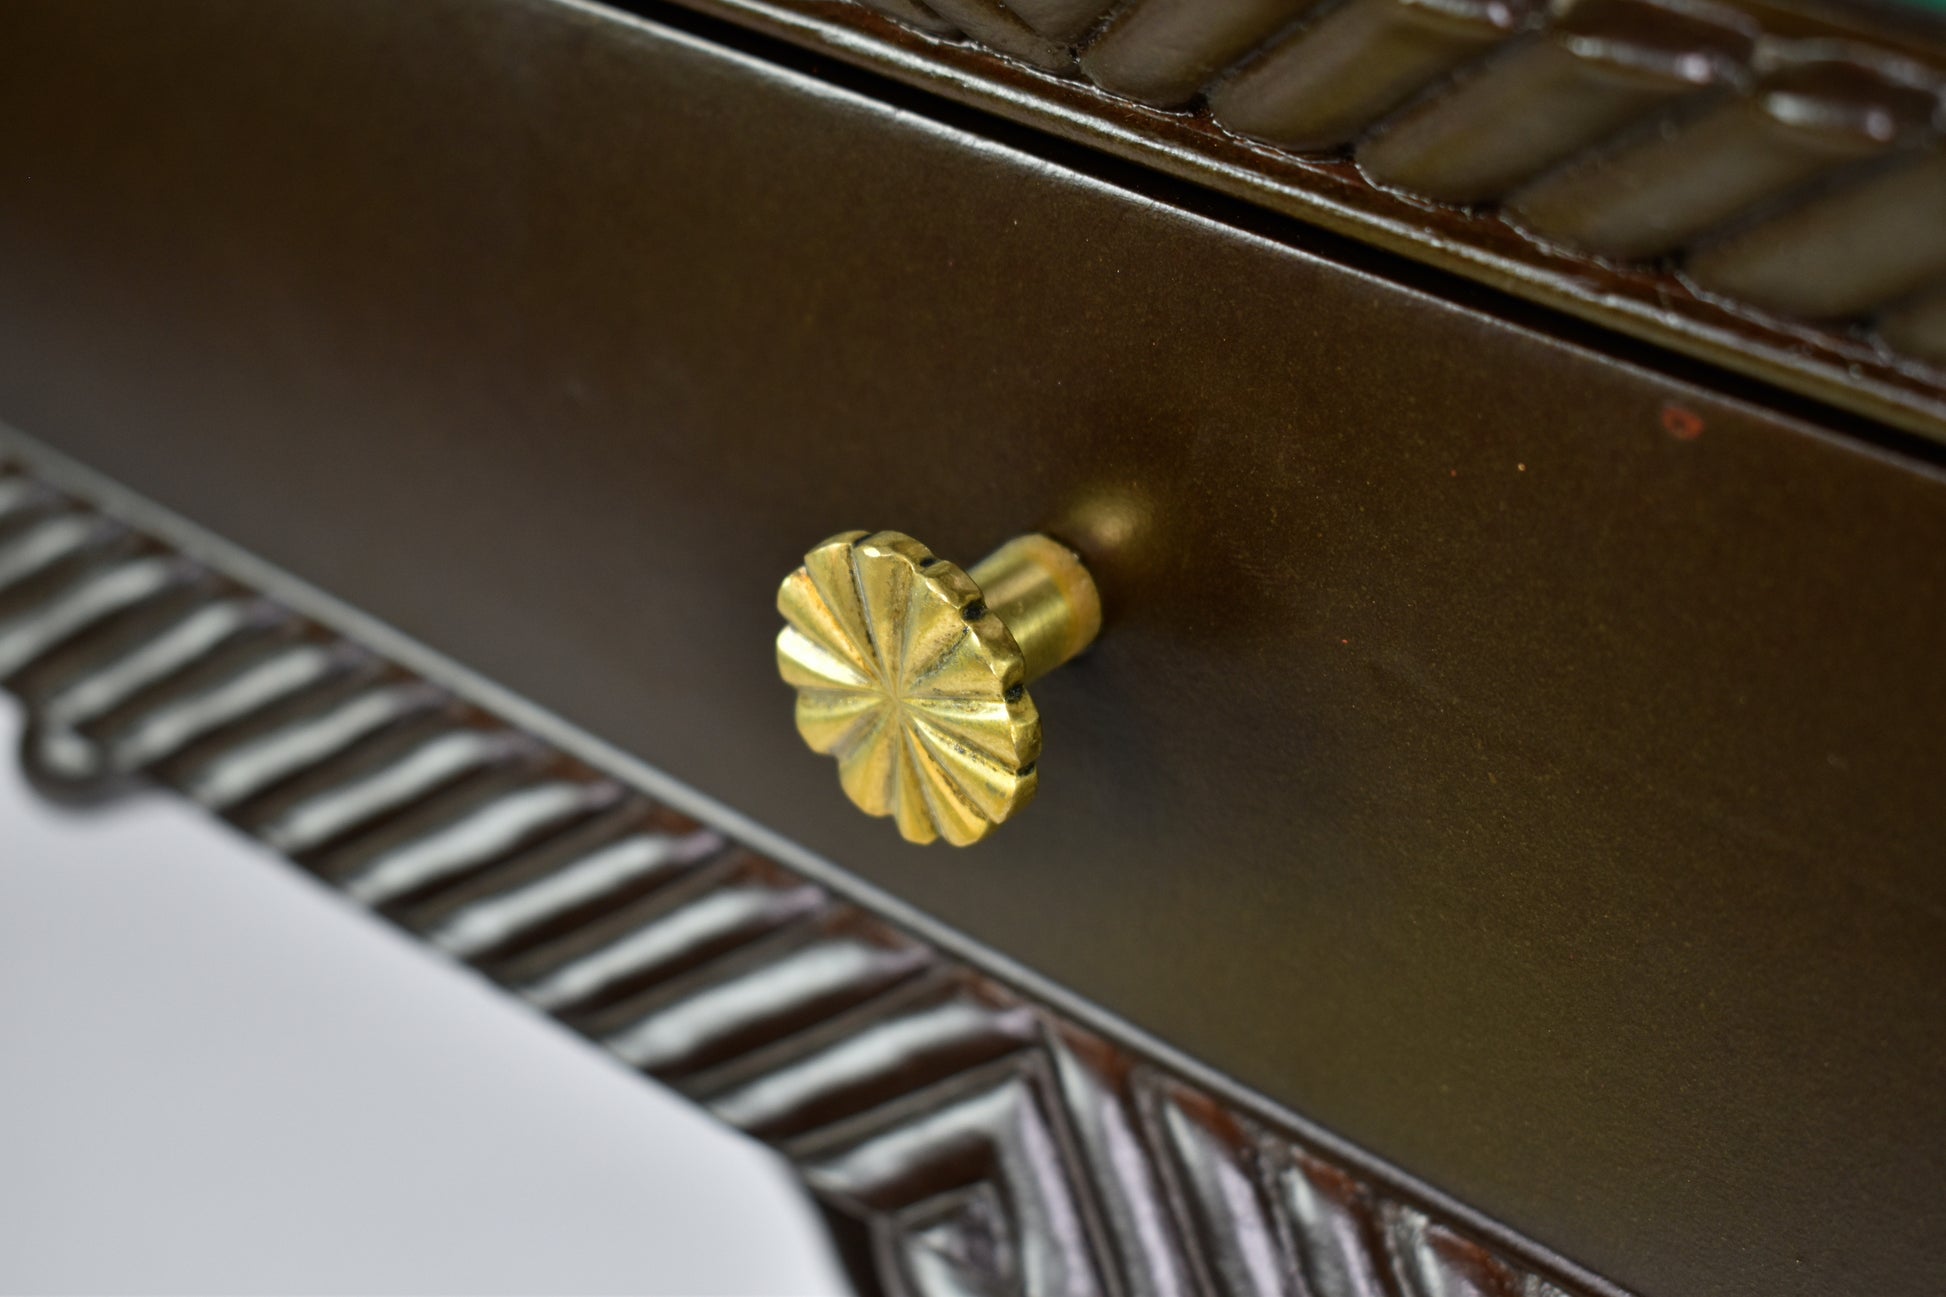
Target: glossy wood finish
{"x":1600,"y":68}
{"x":1411,"y":127}
{"x":1668,"y":122}
{"x":1322,"y":87}
{"x":1518,"y":759}
{"x":1664,"y":188}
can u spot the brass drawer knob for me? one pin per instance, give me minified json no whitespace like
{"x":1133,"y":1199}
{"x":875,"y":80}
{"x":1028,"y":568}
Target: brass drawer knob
{"x":913,"y":673}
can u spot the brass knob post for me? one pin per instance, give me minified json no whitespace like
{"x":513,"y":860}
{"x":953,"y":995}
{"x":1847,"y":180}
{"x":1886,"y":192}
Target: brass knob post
{"x":912,"y":672}
{"x":1045,"y":598}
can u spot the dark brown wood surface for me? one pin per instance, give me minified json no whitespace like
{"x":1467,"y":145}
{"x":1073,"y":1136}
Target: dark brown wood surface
{"x":1752,"y":182}
{"x":1515,"y":753}
{"x":961,"y":1136}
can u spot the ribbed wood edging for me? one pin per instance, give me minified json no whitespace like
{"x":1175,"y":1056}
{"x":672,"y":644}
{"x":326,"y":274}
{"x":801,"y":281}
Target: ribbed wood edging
{"x":1755,"y":185}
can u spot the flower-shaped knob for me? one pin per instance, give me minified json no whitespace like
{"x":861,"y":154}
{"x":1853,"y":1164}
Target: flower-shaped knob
{"x":913,"y":673}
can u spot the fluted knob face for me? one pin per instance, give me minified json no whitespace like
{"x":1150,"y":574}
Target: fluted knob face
{"x":906,"y":678}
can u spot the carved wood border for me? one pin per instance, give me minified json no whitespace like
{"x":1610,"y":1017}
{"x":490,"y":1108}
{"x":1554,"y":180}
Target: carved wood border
{"x":982,"y":1141}
{"x":1798,"y":149}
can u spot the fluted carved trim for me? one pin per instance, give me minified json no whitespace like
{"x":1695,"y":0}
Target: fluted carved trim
{"x":1757,"y":184}
{"x":990,"y":1143}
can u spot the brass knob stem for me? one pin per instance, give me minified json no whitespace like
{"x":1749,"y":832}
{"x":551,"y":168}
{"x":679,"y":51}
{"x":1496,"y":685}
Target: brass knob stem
{"x":1045,"y":598}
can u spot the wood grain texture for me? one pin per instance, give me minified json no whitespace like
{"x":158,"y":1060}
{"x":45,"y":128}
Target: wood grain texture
{"x":987,"y":1143}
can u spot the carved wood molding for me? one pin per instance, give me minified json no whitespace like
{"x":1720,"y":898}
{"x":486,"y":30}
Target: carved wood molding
{"x":988,"y":1142}
{"x":1760,"y":184}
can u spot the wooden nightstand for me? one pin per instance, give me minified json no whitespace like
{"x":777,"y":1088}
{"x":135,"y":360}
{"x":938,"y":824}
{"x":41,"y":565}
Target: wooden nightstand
{"x":1495,"y":845}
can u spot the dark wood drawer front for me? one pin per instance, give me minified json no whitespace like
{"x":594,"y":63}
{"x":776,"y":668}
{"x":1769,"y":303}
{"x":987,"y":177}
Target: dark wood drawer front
{"x":1524,"y":762}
